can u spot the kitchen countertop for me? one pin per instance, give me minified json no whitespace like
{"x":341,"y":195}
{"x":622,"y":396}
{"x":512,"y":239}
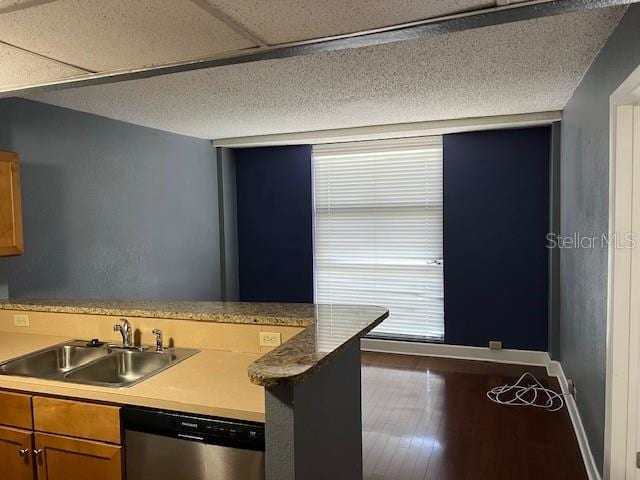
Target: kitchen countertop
{"x":212,"y":382}
{"x":333,"y":327}
{"x":328,"y":327}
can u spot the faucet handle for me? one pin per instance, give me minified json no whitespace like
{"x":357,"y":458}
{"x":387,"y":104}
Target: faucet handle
{"x":158,"y":333}
{"x":123,"y":325}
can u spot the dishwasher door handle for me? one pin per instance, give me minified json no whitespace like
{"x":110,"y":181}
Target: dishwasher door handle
{"x":194,"y":438}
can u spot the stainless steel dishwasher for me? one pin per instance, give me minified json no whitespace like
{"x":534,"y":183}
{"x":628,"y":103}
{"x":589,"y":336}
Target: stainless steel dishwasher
{"x":163,"y":445}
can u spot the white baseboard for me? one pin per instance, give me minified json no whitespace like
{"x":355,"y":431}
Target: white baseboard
{"x":555,"y":369}
{"x":520,"y":357}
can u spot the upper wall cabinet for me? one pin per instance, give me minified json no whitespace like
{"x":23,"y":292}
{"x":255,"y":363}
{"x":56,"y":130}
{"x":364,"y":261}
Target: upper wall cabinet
{"x":10,"y":205}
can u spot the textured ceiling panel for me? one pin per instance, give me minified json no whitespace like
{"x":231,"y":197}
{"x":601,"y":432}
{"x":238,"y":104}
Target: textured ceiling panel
{"x":513,"y":68}
{"x":114,"y":34}
{"x":22,"y":68}
{"x":280,"y":21}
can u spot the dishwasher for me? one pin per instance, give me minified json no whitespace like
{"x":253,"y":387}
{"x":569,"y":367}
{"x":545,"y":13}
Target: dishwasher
{"x":167,"y":445}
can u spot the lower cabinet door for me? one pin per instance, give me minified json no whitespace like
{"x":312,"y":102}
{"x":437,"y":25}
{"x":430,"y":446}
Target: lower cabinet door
{"x":63,"y":458}
{"x":15,"y":454}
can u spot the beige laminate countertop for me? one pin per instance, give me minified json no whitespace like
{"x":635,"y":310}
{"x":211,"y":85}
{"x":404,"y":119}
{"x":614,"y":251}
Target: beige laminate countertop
{"x":328,"y":328}
{"x":212,"y":382}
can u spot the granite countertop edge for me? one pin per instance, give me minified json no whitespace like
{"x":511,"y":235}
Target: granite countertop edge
{"x":165,"y":310}
{"x":292,"y":362}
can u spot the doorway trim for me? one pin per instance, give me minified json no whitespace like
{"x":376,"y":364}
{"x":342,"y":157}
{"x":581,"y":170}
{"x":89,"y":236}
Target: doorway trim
{"x":623,"y":347}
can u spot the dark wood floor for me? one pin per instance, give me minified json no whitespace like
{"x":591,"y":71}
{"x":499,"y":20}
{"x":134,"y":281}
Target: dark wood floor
{"x":429,"y":418}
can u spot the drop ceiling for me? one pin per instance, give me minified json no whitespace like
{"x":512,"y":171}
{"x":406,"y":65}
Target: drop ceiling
{"x":99,"y":35}
{"x":521,"y":67}
{"x":19,"y":67}
{"x":111,"y":35}
{"x":280,"y":21}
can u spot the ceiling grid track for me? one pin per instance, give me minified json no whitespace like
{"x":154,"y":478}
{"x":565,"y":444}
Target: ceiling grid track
{"x":17,"y":6}
{"x":50,"y":59}
{"x":230,"y":22}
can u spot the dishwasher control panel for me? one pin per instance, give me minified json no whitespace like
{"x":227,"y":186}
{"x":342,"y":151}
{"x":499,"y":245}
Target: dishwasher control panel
{"x":210,"y":430}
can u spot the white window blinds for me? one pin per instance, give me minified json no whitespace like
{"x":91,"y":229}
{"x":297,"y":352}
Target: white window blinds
{"x":378,"y":231}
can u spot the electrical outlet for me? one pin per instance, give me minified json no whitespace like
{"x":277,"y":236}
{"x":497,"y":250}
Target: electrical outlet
{"x":495,"y":345}
{"x":270,"y":339}
{"x":21,"y":320}
{"x":571,"y":387}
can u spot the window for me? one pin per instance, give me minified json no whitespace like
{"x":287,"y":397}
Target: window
{"x":378,"y":231}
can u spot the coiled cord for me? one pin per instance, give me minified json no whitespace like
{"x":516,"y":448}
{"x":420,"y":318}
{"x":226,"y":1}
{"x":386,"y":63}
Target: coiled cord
{"x":532,"y":394}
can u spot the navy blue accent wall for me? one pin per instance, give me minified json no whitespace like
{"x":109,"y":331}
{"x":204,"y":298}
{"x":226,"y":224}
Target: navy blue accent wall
{"x":496,"y":217}
{"x":275,"y":227}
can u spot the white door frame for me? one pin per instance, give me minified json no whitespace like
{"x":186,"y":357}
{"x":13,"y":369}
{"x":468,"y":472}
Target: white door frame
{"x":623,"y":334}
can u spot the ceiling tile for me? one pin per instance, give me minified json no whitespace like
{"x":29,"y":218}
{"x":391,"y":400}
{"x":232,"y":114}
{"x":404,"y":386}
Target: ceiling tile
{"x":280,"y":21}
{"x":105,"y":35}
{"x":21,"y":68}
{"x":507,"y":69}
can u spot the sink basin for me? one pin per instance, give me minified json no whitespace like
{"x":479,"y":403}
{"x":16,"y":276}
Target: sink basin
{"x":55,"y":361}
{"x":124,"y":368}
{"x":76,"y":362}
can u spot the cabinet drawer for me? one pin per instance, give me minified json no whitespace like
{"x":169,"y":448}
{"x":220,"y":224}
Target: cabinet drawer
{"x":77,"y":419}
{"x":15,"y":410}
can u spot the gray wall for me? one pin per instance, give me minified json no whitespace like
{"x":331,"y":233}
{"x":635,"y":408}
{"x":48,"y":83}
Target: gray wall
{"x":314,"y":428}
{"x":111,"y":210}
{"x":584,"y":210}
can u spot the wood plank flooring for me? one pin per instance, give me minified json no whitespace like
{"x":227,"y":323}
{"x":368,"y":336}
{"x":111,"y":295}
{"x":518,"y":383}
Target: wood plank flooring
{"x":429,"y":418}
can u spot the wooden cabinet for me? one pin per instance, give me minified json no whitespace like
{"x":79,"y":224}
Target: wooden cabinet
{"x":72,"y":440}
{"x":64,"y":458}
{"x":10,"y":205}
{"x":16,"y":461}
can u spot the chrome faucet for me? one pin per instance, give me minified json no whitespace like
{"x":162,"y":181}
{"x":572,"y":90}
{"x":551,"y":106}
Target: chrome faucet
{"x":158,"y":333}
{"x":125,"y":331}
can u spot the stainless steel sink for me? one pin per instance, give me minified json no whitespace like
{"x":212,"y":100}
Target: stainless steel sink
{"x":54,"y":361}
{"x":122,"y":368}
{"x":76,"y":362}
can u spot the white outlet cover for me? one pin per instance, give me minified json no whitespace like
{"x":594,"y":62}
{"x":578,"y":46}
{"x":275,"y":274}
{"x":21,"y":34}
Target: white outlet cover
{"x":270,"y":339}
{"x":21,"y":320}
